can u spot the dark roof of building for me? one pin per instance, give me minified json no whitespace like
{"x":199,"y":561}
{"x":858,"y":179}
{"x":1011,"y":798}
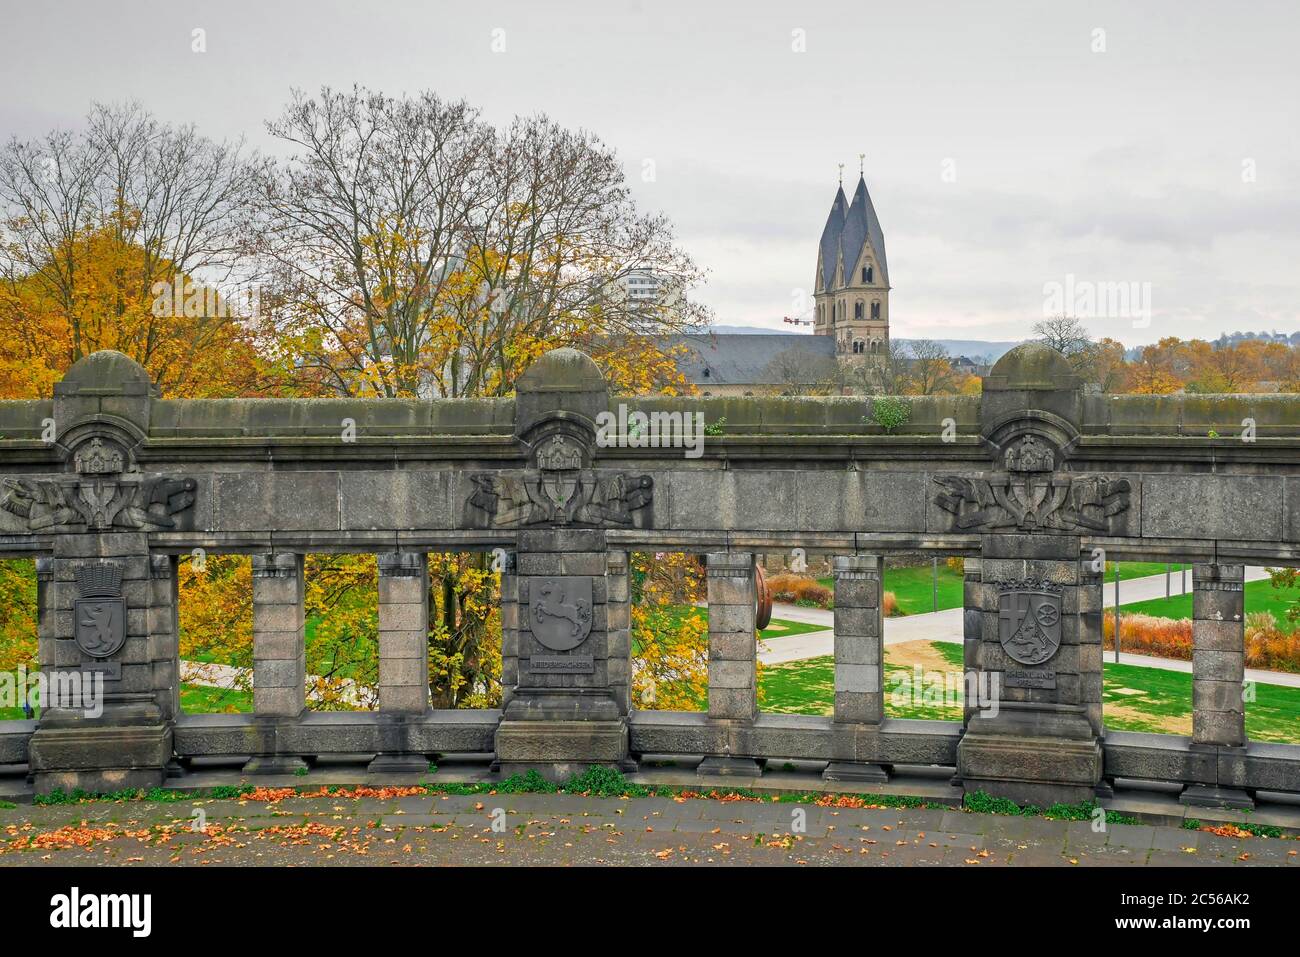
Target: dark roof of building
{"x":732,"y":359}
{"x":830,"y":244}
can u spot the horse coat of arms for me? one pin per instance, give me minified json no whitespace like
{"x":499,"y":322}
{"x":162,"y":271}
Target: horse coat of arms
{"x":1029,"y":624}
{"x":559,"y":611}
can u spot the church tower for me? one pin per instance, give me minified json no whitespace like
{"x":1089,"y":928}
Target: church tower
{"x":851,"y":290}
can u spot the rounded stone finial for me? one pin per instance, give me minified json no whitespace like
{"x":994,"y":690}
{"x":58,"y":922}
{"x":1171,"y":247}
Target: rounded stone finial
{"x":1032,"y":365}
{"x":562,"y":370}
{"x":105,"y":371}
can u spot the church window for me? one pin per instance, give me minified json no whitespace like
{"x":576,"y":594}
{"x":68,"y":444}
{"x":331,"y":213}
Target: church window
{"x":857,"y":309}
{"x":866,"y":273}
{"x":875,"y":310}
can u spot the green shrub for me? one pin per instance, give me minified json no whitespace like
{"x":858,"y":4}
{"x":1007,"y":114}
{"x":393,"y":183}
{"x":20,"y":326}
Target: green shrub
{"x":890,"y":412}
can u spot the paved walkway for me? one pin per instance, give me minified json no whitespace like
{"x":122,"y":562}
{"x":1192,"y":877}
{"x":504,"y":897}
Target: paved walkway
{"x":536,"y":829}
{"x":946,"y":626}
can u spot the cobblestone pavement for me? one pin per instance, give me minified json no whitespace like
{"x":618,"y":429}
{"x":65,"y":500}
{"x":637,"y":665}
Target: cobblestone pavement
{"x":536,"y":829}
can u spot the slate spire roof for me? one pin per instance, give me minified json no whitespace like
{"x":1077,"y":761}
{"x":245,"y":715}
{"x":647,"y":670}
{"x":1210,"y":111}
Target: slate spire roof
{"x":847,"y":230}
{"x":830,"y":245}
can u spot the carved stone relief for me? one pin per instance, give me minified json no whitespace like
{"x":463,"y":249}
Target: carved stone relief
{"x":1032,"y":496}
{"x":106,"y":491}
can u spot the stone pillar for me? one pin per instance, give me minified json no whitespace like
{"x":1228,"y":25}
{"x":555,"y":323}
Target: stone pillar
{"x":510,"y":626}
{"x":974,"y":605}
{"x":107,"y":722}
{"x":567,"y":708}
{"x":1218,"y":676}
{"x":618,"y":616}
{"x":403,"y":658}
{"x":279,"y":658}
{"x":1033,"y":739}
{"x":733,"y":661}
{"x":859,"y":665}
{"x":164,"y":635}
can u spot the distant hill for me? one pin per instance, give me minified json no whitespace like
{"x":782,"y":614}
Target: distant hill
{"x":971,"y":348}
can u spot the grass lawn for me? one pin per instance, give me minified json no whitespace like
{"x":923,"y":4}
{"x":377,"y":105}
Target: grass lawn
{"x":200,"y":699}
{"x":1259,"y":595}
{"x":781,"y":628}
{"x":808,"y":686}
{"x":1133,"y":698}
{"x":776,"y":628}
{"x":195,"y":699}
{"x":914,"y":587}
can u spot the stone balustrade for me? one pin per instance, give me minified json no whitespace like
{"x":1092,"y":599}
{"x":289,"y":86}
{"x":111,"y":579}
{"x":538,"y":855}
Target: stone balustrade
{"x":1033,"y":483}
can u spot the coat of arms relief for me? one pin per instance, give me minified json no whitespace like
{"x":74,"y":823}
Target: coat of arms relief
{"x":1030,"y":494}
{"x":560,"y":491}
{"x":104,"y":491}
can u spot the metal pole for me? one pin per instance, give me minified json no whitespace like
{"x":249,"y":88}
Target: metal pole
{"x":934,"y":583}
{"x":1117,"y":613}
{"x":1168,"y":568}
{"x":1182,"y":572}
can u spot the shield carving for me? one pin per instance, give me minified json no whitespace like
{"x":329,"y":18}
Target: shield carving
{"x":100,"y":625}
{"x":559,"y":611}
{"x":1029,"y":625}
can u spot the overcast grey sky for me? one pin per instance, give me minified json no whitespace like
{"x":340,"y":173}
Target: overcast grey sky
{"x":1172,"y":157}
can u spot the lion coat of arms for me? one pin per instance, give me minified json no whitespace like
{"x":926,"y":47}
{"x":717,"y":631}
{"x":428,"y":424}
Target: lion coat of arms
{"x":1029,"y":624}
{"x":559,"y":611}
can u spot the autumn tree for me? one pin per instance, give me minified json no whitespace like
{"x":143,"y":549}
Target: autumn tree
{"x":1159,"y":368}
{"x":799,"y":372}
{"x":1068,"y":336}
{"x":929,"y":368}
{"x":1109,"y":371}
{"x":96,"y":223}
{"x":423,"y":252}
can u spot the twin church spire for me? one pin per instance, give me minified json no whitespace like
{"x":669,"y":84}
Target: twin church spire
{"x":852,"y":282}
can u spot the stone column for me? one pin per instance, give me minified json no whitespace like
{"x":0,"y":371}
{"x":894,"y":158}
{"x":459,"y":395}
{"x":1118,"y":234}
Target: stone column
{"x":403,"y":658}
{"x":107,"y":723}
{"x":618,"y":616}
{"x":1090,"y":603}
{"x":566,"y":710}
{"x":733,"y":649}
{"x":1034,"y":739}
{"x":510,"y":625}
{"x":279,"y":657}
{"x":1218,"y":676}
{"x":974,"y":605}
{"x":859,"y":665}
{"x":164,"y":635}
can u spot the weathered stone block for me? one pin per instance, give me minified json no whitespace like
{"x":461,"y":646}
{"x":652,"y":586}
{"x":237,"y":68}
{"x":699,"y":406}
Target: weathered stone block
{"x":857,"y":621}
{"x":734,"y":646}
{"x":1218,"y":665}
{"x":860,"y":678}
{"x":730,"y":674}
{"x":1211,"y":635}
{"x":403,"y":671}
{"x":857,"y":649}
{"x":1217,"y":695}
{"x":739,"y":703}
